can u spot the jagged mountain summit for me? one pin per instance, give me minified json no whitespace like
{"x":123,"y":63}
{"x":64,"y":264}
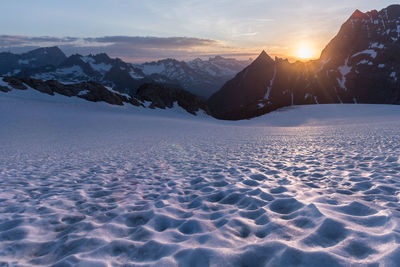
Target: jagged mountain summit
{"x":200,"y":77}
{"x":360,"y":65}
{"x":248,"y":85}
{"x":12,"y":63}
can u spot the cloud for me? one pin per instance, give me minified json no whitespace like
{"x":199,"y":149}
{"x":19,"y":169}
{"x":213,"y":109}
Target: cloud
{"x":263,"y":20}
{"x":246,"y":34}
{"x":8,"y":41}
{"x":155,"y":42}
{"x":132,"y":48}
{"x":140,"y":49}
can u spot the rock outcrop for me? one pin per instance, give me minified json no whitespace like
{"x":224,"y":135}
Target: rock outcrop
{"x":148,"y":95}
{"x":164,"y":97}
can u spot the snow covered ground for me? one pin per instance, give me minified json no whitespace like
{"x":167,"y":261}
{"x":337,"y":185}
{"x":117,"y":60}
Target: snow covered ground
{"x":89,"y":184}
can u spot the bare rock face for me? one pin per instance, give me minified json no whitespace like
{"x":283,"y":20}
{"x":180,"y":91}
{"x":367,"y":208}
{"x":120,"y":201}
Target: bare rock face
{"x":360,"y":65}
{"x":164,"y":97}
{"x":15,"y":83}
{"x":156,"y":95}
{"x":4,"y":89}
{"x":90,"y":91}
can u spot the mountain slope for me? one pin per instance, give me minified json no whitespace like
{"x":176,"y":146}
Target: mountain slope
{"x":247,"y":86}
{"x":360,"y":65}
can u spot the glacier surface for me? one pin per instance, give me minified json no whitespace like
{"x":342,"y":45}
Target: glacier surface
{"x":89,"y":184}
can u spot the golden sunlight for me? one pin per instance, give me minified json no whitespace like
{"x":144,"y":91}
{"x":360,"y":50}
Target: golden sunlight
{"x":305,"y":52}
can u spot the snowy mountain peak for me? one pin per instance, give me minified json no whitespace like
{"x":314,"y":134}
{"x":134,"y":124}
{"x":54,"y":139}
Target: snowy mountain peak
{"x":75,"y":59}
{"x":200,"y":77}
{"x":50,"y":51}
{"x":217,"y":58}
{"x":42,"y":57}
{"x":101,"y":57}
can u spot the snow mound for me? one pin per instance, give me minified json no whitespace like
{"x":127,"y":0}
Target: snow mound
{"x":90,"y":184}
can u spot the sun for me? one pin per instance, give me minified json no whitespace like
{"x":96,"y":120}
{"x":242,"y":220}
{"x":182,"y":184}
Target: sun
{"x":305,"y":52}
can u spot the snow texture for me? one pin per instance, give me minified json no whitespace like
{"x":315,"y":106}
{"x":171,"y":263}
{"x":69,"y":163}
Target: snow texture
{"x":84,"y":92}
{"x":372,"y":53}
{"x":100,"y":67}
{"x":377,"y":45}
{"x":393,"y":76}
{"x":344,"y":70}
{"x":90,"y":184}
{"x":271,"y":83}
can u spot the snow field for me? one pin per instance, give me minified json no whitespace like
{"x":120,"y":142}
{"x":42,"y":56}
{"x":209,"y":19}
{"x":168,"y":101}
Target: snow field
{"x":89,"y":184}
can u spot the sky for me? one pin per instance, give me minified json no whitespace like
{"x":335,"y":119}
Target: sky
{"x":142,"y":30}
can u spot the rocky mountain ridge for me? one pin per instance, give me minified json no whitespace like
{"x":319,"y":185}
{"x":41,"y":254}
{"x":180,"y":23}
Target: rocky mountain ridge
{"x":200,"y":77}
{"x":360,"y":65}
{"x":149,"y":95}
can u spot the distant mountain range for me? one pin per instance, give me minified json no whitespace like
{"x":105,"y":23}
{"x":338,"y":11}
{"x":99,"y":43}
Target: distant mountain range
{"x":200,"y":77}
{"x":360,"y":65}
